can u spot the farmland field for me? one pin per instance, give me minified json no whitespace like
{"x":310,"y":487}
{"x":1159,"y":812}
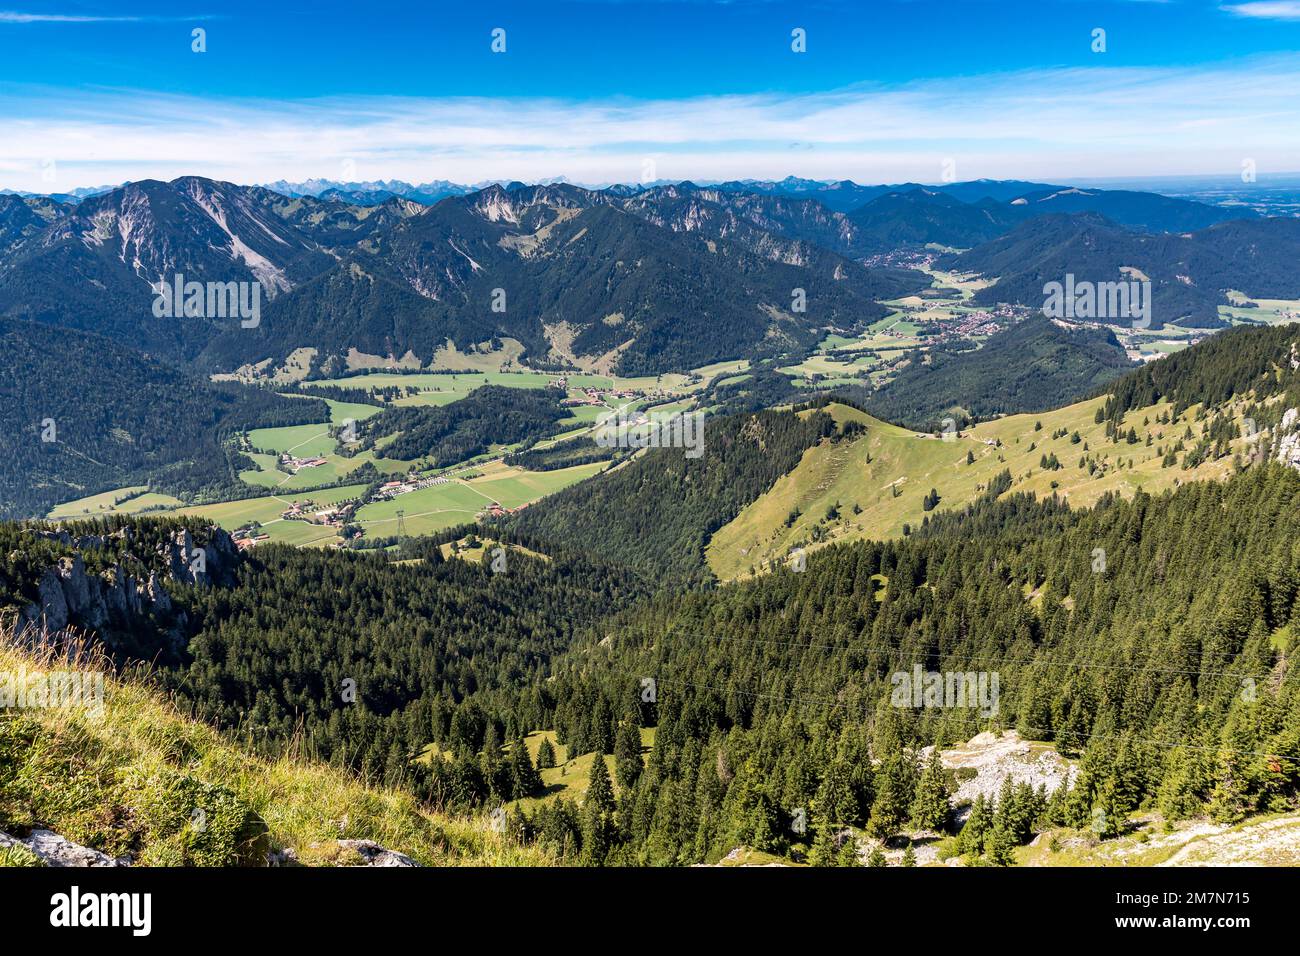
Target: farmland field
{"x":130,"y":501}
{"x":267,"y":511}
{"x":305,"y":441}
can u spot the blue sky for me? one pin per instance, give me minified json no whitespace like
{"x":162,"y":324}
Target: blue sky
{"x":600,"y":90}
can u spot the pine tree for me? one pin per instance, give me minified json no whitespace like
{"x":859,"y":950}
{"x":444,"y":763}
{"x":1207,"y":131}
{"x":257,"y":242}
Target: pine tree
{"x":877,"y":857}
{"x":909,"y":856}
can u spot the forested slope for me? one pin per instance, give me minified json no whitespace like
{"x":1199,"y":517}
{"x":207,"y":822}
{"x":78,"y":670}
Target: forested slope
{"x":1033,"y":366}
{"x":657,"y":512}
{"x":80,"y":414}
{"x":1164,"y":667}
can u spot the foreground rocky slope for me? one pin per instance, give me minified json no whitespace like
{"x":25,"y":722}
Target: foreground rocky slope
{"x":131,"y":780}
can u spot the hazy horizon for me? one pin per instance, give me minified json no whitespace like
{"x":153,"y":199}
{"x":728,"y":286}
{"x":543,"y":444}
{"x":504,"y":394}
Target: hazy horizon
{"x":1054,"y":91}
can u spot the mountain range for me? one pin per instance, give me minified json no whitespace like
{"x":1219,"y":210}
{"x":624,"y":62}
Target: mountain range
{"x":774,"y":588}
{"x":649,"y":280}
{"x":1190,"y":272}
{"x":583,"y":275}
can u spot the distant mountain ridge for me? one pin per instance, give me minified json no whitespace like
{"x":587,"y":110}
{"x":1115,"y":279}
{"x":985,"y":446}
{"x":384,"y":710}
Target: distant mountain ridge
{"x":639,"y":280}
{"x":571,"y":273}
{"x":1190,"y":273}
{"x":22,"y":217}
{"x":367,"y":193}
{"x":575,"y":274}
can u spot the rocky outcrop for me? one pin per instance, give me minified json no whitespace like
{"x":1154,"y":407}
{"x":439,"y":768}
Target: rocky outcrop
{"x":117,"y":597}
{"x":54,"y":850}
{"x":185,"y":562}
{"x":69,"y":594}
{"x":1288,"y":442}
{"x":53,"y":609}
{"x":372,"y":854}
{"x":988,"y":760}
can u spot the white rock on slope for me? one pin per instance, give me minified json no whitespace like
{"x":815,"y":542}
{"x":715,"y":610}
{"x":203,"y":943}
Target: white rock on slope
{"x":55,"y":850}
{"x":372,"y":854}
{"x":1288,"y":446}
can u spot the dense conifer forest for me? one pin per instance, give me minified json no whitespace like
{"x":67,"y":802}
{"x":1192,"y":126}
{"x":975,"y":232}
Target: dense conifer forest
{"x":446,"y":434}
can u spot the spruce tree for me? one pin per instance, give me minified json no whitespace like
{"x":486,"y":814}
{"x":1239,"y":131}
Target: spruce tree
{"x":600,"y":792}
{"x":893,"y":796}
{"x":1001,"y":845}
{"x":527,"y":781}
{"x":930,"y":805}
{"x":627,"y":754}
{"x":848,"y":855}
{"x":597,"y":810}
{"x":824,"y":852}
{"x":971,"y":837}
{"x":545,"y":755}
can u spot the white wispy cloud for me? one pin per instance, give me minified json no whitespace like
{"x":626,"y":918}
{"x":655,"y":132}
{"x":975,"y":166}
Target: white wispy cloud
{"x":1097,"y":121}
{"x":1266,"y":9}
{"x":14,"y":16}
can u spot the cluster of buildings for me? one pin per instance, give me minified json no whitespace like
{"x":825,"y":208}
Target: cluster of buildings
{"x":980,"y":323}
{"x":334,"y":516}
{"x":589,"y":397}
{"x":592,"y":395}
{"x":246,"y":538}
{"x":290,"y":463}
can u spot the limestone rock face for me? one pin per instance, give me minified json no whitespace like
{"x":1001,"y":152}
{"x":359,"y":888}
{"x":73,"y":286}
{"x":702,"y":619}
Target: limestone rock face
{"x":194,"y":565}
{"x":70,"y":595}
{"x":1288,"y":443}
{"x":51,"y":613}
{"x":159,"y":598}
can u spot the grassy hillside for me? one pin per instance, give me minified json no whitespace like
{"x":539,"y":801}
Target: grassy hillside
{"x":130,"y":782}
{"x":888,"y":471}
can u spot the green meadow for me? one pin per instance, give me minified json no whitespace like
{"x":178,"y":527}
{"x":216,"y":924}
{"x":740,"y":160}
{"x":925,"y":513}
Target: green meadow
{"x":887,"y":472}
